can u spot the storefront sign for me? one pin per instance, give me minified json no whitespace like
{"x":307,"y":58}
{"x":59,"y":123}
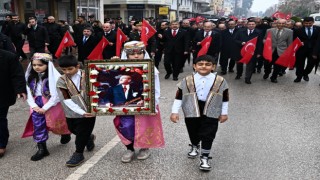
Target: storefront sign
{"x":135,"y":6}
{"x":163,"y":10}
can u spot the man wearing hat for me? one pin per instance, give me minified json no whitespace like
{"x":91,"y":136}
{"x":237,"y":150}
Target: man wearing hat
{"x":86,"y":43}
{"x":120,"y":24}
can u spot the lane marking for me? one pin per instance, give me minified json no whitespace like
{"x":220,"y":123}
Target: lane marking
{"x":84,"y":168}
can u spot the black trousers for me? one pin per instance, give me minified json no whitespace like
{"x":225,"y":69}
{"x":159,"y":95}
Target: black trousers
{"x":300,"y":62}
{"x":19,"y":45}
{"x":4,"y":132}
{"x":173,"y":62}
{"x":224,"y":62}
{"x":158,"y":56}
{"x":249,"y":67}
{"x":82,"y":128}
{"x":276,"y":68}
{"x":202,"y":129}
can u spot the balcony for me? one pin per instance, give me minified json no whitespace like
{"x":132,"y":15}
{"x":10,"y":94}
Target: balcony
{"x":152,"y":2}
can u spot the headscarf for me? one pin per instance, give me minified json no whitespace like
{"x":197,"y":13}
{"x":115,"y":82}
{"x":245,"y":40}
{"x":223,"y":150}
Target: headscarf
{"x":53,"y":74}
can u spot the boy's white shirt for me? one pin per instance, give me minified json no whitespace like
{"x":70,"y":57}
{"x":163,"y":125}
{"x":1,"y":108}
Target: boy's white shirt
{"x":76,"y":78}
{"x":202,"y":90}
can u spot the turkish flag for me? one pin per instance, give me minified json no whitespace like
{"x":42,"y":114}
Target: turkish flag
{"x":147,"y":32}
{"x":66,"y":41}
{"x":267,"y":49}
{"x":96,"y":53}
{"x":279,"y":15}
{"x":247,"y":51}
{"x":288,"y":57}
{"x":121,"y":38}
{"x":205,"y":44}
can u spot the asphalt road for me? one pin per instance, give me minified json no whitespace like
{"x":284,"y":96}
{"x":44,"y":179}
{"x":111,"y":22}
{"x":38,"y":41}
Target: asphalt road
{"x":272,"y":133}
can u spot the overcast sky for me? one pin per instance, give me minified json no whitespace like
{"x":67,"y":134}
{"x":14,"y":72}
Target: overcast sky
{"x":262,"y":5}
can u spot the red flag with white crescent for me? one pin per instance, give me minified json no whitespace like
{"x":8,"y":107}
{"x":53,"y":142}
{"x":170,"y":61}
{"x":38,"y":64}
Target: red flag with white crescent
{"x":66,"y":41}
{"x":205,"y":44}
{"x":279,"y":15}
{"x":98,"y":50}
{"x":288,"y":57}
{"x":267,"y":49}
{"x":121,"y":38}
{"x":147,"y":32}
{"x":247,"y":51}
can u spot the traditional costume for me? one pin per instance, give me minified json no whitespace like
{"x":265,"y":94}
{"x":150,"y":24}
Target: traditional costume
{"x":73,"y":95}
{"x":43,"y":94}
{"x":140,"y":131}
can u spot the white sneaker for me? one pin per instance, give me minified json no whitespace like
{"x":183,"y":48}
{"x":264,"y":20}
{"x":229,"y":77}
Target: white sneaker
{"x":194,"y":151}
{"x":204,"y":164}
{"x":128,"y":156}
{"x":143,"y":154}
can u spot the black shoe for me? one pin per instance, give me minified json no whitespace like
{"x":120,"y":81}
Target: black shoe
{"x":265,"y":76}
{"x":231,"y":71}
{"x":259,"y":71}
{"x":41,"y":153}
{"x":238,"y":77}
{"x":65,"y":138}
{"x":254,"y":71}
{"x":247,"y":81}
{"x":167,"y":76}
{"x":223,"y":72}
{"x":306,"y":78}
{"x":75,"y":160}
{"x":175,"y":78}
{"x":90,"y":145}
{"x":298,"y":79}
{"x":280,"y":74}
{"x":274,"y":80}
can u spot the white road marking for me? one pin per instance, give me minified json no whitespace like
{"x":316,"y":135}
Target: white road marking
{"x":84,"y":168}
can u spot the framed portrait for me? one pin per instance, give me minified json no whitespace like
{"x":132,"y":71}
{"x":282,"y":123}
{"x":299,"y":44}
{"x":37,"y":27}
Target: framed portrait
{"x":120,"y":87}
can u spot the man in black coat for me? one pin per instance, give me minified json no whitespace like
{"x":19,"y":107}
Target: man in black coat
{"x":5,"y":25}
{"x":215,"y":45}
{"x":37,"y":36}
{"x":308,"y":34}
{"x":110,"y":50}
{"x":13,"y":85}
{"x":55,"y":35}
{"x":6,"y":43}
{"x":86,"y":44}
{"x":160,"y":45}
{"x":16,"y":29}
{"x":176,"y":44}
{"x":243,"y":36}
{"x":229,"y":49}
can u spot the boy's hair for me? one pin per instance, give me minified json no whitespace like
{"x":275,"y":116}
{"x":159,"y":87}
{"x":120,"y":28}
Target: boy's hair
{"x":207,"y":58}
{"x":68,"y":61}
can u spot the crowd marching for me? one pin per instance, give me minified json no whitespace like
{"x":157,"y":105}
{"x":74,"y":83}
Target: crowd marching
{"x":275,"y":45}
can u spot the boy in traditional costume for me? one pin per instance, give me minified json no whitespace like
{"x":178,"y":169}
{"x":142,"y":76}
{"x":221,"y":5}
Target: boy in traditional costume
{"x":46,"y":111}
{"x":73,"y":95}
{"x":140,"y":131}
{"x":204,"y":98}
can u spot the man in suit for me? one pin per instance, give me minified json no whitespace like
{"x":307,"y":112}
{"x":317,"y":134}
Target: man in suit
{"x":160,"y":45}
{"x":13,"y":85}
{"x":176,"y":44}
{"x":86,"y":44}
{"x":110,"y":50}
{"x":229,"y":49}
{"x":215,"y":45}
{"x":281,"y":40}
{"x":243,"y":36}
{"x":55,"y":35}
{"x":16,"y":29}
{"x":123,"y":93}
{"x":308,"y":34}
{"x":38,"y":37}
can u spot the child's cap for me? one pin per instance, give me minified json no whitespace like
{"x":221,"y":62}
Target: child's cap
{"x":134,"y":46}
{"x":42,"y":56}
{"x":207,"y":58}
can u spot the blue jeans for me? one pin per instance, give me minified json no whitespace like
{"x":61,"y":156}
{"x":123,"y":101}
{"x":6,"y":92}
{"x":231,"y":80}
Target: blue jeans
{"x":4,"y":132}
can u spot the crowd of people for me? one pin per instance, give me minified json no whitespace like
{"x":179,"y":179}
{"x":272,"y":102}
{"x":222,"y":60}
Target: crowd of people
{"x":203,"y":95}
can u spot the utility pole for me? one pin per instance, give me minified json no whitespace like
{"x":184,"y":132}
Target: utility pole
{"x":178,"y":4}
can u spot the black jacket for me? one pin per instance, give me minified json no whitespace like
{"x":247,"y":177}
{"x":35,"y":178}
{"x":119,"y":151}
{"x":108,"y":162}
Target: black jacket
{"x":38,"y":37}
{"x":309,"y":43}
{"x":16,"y":30}
{"x":242,"y":36}
{"x":11,"y":78}
{"x":177,"y":44}
{"x":229,"y":48}
{"x":6,"y":43}
{"x":85,"y":49}
{"x":109,"y":51}
{"x":215,"y":45}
